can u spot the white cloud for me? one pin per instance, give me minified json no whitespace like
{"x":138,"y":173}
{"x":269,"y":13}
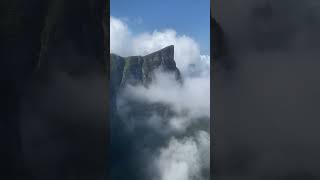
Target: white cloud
{"x":124,"y":43}
{"x":120,"y":37}
{"x":185,"y":159}
{"x":193,"y":97}
{"x":186,"y":49}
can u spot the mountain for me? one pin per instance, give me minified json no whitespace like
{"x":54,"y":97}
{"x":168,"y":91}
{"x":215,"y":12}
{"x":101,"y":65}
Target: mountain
{"x":139,"y":70}
{"x":135,"y":70}
{"x":130,"y":117}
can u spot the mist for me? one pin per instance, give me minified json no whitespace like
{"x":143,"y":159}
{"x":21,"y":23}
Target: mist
{"x":266,"y":106}
{"x":168,"y":121}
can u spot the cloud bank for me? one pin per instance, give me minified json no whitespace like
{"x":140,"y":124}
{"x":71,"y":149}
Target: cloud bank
{"x":180,"y":132}
{"x":184,"y":159}
{"x":123,"y":42}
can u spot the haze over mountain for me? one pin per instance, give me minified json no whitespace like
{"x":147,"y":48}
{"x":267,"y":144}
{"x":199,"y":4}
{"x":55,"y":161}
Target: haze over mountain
{"x":266,"y":106}
{"x":154,"y":134}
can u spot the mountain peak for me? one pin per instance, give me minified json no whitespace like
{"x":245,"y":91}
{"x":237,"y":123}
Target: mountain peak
{"x":141,"y":69}
{"x":163,"y":57}
{"x":168,"y":51}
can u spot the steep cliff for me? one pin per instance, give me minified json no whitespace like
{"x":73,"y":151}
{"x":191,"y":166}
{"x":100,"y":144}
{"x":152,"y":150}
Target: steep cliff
{"x":141,"y":69}
{"x":130,"y":116}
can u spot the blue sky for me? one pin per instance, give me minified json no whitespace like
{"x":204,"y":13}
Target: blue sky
{"x":189,"y":17}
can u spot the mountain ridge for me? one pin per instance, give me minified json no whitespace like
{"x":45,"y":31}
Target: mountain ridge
{"x":140,"y":70}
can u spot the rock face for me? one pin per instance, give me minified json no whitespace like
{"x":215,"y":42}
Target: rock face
{"x":138,"y":70}
{"x":141,"y":69}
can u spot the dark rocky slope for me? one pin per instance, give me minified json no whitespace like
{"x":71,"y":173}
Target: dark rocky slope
{"x":141,"y":69}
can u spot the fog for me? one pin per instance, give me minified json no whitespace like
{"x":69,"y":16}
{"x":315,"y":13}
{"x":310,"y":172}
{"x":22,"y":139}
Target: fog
{"x":266,"y":106}
{"x":167,"y":122}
